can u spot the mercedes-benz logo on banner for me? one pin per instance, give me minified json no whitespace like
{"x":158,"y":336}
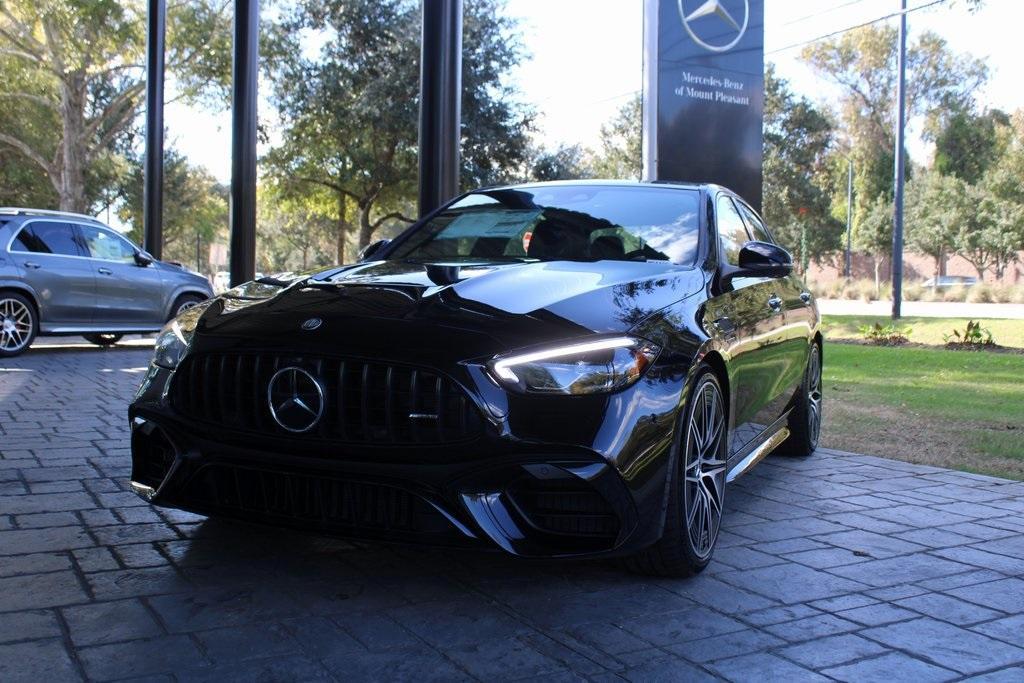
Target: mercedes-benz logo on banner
{"x":720,"y":31}
{"x":296,"y":399}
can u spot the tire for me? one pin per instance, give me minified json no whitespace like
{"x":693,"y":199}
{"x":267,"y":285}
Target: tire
{"x":183,"y":303}
{"x":805,"y":418}
{"x":103,"y":339}
{"x":697,"y":486}
{"x":19,"y":324}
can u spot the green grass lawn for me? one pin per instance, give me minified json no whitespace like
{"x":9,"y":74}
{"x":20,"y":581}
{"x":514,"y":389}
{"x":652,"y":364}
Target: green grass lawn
{"x":957,"y":409}
{"x":924,"y":330}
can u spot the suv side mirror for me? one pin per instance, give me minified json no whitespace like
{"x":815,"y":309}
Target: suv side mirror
{"x":372,"y":248}
{"x":763,"y":259}
{"x":142,"y":259}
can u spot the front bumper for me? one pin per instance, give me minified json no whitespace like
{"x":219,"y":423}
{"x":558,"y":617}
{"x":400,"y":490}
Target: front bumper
{"x":509,"y":488}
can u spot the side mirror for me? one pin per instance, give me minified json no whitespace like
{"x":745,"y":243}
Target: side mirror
{"x":142,"y":259}
{"x":762,"y":259}
{"x":367,"y":252}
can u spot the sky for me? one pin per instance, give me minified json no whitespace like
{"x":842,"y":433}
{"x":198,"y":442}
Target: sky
{"x":585,"y":60}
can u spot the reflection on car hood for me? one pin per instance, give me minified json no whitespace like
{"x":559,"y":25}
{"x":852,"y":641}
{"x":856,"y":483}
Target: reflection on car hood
{"x":516,"y":303}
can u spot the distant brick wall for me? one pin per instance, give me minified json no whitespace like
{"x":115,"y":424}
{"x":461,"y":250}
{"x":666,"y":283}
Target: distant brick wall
{"x":916,"y":268}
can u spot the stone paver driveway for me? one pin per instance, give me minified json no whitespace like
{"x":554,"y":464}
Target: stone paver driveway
{"x":839,"y":566}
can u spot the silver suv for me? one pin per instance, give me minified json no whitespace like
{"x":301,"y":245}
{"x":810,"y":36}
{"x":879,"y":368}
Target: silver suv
{"x":66,"y":274}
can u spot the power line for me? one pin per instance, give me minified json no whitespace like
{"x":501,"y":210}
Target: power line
{"x":851,"y":28}
{"x":823,"y":12}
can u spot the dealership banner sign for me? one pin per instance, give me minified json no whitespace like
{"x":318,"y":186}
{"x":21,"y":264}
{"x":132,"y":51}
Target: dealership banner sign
{"x":704,"y":92}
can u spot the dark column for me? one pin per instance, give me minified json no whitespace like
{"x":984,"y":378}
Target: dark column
{"x":245,"y":66}
{"x":153,"y":190}
{"x":440,"y":102}
{"x":897,"y":228}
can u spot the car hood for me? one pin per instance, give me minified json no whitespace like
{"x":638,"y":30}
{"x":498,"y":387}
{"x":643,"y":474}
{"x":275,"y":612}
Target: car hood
{"x":486,"y":308}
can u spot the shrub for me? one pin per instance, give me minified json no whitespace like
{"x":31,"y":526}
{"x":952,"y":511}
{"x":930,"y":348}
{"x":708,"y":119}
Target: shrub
{"x":955,"y":293}
{"x":980,"y":293}
{"x":972,"y":335}
{"x":886,"y":335}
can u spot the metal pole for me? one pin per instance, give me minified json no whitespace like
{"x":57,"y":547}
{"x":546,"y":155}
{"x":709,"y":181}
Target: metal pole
{"x":440,"y":102}
{"x":153,"y":171}
{"x":245,"y":66}
{"x":897,"y":228}
{"x":849,"y":216}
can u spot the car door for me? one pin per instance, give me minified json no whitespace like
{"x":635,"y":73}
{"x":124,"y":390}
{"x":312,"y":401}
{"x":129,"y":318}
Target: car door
{"x":795,"y":328}
{"x":126,"y":293}
{"x":53,"y":264}
{"x":753,"y":309}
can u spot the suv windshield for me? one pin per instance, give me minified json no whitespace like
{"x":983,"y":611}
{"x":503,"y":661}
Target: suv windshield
{"x":562,"y":223}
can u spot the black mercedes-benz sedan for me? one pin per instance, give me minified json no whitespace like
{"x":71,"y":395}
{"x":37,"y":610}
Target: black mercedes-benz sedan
{"x":555,"y":370}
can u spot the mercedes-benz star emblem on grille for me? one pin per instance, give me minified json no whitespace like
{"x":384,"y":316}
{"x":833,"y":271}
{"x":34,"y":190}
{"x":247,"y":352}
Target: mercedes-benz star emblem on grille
{"x":296,"y":399}
{"x":312,"y":324}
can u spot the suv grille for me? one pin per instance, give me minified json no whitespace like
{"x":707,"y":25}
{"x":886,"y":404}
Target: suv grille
{"x":365,"y":401}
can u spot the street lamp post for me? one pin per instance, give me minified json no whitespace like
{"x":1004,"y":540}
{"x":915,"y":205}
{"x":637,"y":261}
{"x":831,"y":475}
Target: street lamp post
{"x":849,"y":215}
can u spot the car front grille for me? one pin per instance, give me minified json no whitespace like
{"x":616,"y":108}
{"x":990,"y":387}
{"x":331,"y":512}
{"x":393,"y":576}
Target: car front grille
{"x":364,"y":401}
{"x":312,"y":500}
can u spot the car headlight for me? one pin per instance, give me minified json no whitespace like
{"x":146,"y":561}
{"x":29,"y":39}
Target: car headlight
{"x":591,"y":367}
{"x":173,"y":340}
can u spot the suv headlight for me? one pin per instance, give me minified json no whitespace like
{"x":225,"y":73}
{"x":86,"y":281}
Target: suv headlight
{"x":173,"y":340}
{"x":599,"y":366}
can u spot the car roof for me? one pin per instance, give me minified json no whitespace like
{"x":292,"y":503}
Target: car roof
{"x":600,"y":182}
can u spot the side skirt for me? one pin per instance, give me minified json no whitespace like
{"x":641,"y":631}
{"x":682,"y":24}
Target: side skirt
{"x":777,"y":433}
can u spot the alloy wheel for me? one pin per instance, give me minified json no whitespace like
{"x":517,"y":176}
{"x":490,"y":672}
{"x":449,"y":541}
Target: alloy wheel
{"x":814,"y":396}
{"x":15,"y":325}
{"x":185,"y":306}
{"x":704,"y":489}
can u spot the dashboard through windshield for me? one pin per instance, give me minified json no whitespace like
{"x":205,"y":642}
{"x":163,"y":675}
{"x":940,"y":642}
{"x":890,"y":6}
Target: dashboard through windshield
{"x":562,"y":223}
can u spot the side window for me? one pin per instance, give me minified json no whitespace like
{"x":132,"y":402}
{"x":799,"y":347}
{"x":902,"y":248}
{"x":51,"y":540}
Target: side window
{"x":756,"y":225}
{"x":47,"y":237}
{"x":731,"y":229}
{"x":106,"y":245}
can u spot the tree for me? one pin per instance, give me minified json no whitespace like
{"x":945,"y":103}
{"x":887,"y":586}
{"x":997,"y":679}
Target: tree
{"x":566,"y":162}
{"x":968,"y":143}
{"x":797,"y":143}
{"x":74,"y":72}
{"x":350,"y":115}
{"x":196,"y":216}
{"x":296,"y":233}
{"x":993,"y":235}
{"x":621,"y":153}
{"x":873,"y":232}
{"x":938,"y":207}
{"x":862,"y":62}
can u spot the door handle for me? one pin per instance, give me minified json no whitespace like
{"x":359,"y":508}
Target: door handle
{"x":775,"y":303}
{"x":104,"y":271}
{"x":805,"y":297}
{"x":32,"y":264}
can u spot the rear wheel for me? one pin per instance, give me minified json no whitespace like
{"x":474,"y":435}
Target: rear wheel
{"x":18,"y":324}
{"x":805,"y":418}
{"x":697,"y":488}
{"x":105,"y":339}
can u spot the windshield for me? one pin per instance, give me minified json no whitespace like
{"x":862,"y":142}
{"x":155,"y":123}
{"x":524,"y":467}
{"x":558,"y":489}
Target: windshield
{"x":562,"y":223}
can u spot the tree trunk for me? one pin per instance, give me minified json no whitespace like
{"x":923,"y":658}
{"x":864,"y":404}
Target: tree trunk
{"x":365,"y":227}
{"x":878,"y":284}
{"x":72,"y":172}
{"x":342,"y":233}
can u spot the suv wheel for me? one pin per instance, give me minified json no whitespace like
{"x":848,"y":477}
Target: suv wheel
{"x":18,"y":324}
{"x":108,"y":339}
{"x":185,"y":302}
